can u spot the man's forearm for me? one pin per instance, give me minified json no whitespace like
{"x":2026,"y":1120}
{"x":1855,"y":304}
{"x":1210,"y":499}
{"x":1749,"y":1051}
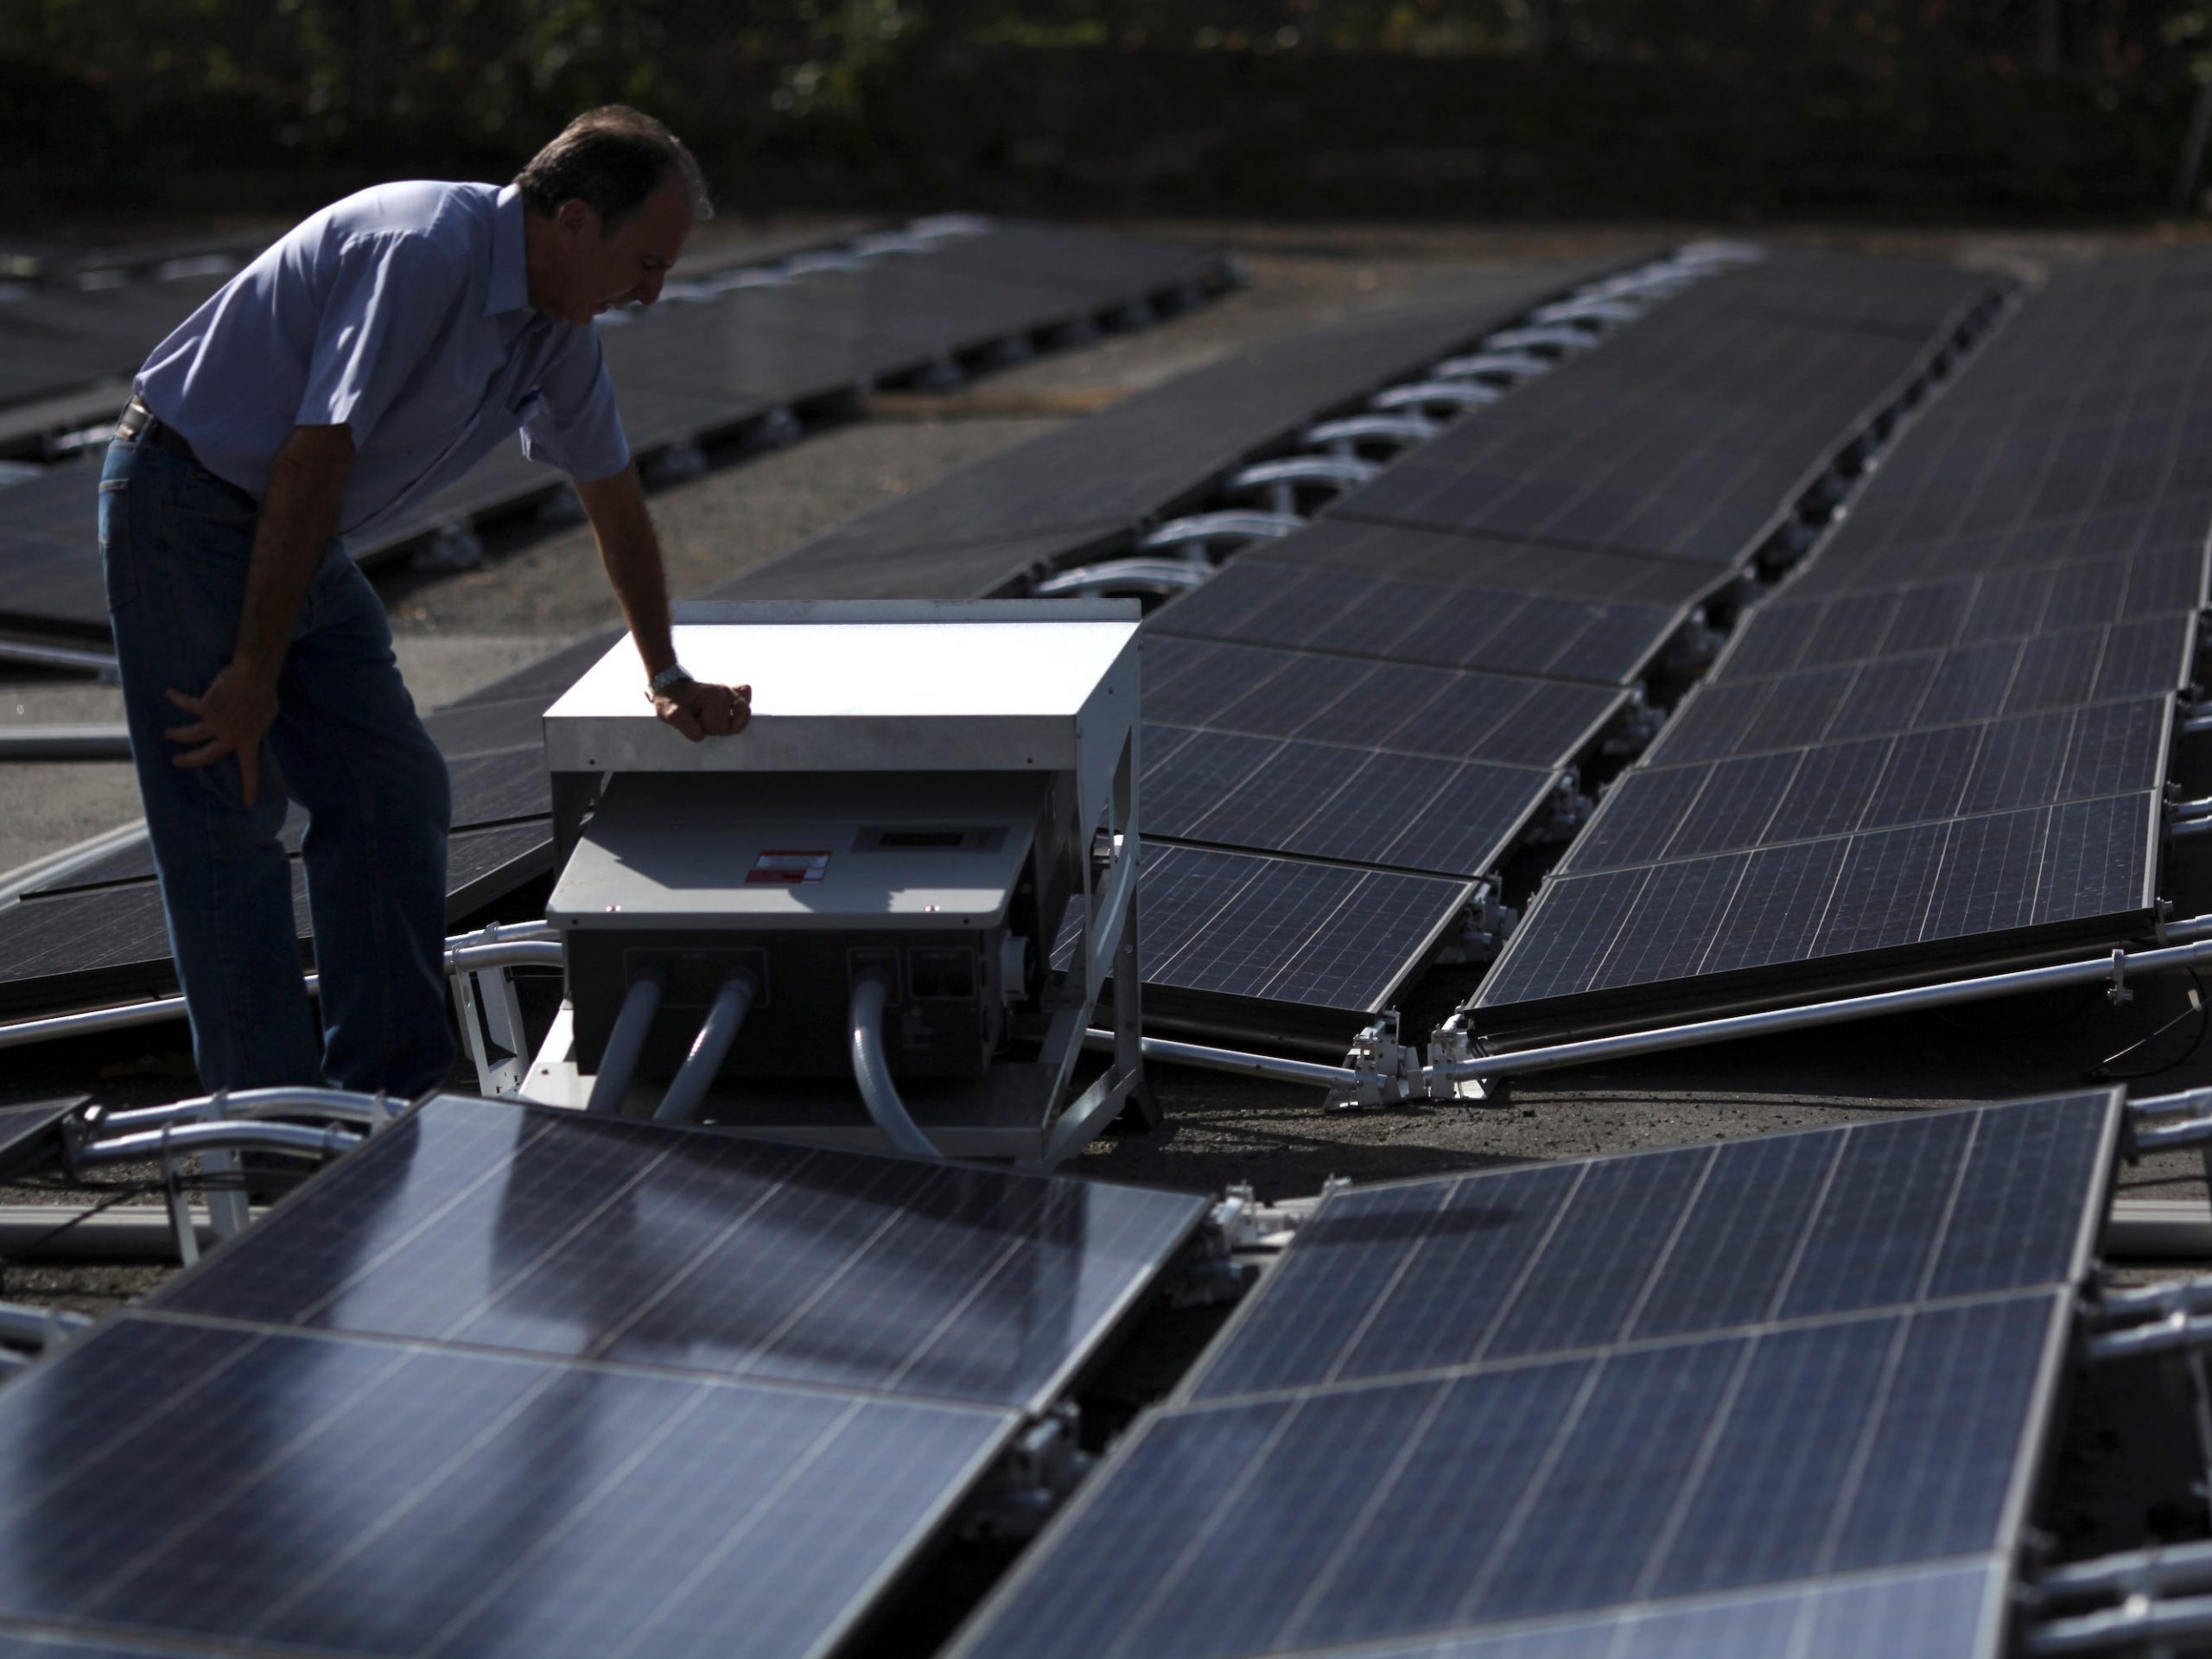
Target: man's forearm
{"x":307,"y":481}
{"x":631,"y":551}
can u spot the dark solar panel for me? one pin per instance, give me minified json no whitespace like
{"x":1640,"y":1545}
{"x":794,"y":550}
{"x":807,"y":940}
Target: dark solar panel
{"x":576,"y":1238}
{"x":1402,"y":811}
{"x":1392,"y":1281}
{"x":1484,"y":1498}
{"x":1091,"y":269}
{"x":1659,"y":813}
{"x":1738,"y":715}
{"x":80,"y":941}
{"x":295,"y":1493}
{"x":1482,"y":562}
{"x":1277,"y":940}
{"x":2085,"y":863}
{"x":1686,"y":443}
{"x":1262,"y":691}
{"x":1451,"y":626}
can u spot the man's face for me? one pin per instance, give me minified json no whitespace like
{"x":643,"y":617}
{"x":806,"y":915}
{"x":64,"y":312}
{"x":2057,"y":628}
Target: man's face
{"x":598,"y":272}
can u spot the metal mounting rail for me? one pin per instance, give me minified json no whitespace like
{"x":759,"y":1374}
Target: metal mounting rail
{"x":176,"y":1139}
{"x":2109,"y":968}
{"x":518,"y":945}
{"x":2137,"y":1625}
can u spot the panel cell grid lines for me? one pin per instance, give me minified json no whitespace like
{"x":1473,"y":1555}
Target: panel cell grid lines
{"x":1837,"y":1443}
{"x":1262,"y":691}
{"x":1402,"y":1278}
{"x":1279,"y":942}
{"x":488,"y":1226}
{"x":1356,"y":613}
{"x":1320,"y":800}
{"x":310,"y":1494}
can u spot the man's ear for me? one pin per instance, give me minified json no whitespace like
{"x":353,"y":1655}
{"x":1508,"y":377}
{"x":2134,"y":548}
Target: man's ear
{"x":576,"y":219}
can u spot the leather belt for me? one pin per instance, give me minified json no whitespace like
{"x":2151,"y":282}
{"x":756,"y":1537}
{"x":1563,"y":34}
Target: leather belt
{"x":141,"y":422}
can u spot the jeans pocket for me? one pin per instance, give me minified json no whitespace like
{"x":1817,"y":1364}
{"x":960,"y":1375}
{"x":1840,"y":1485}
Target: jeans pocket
{"x":118,"y":571}
{"x":194,"y":492}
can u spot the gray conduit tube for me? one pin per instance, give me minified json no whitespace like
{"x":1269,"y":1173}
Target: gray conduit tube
{"x":624,"y":1044}
{"x":708,"y":1049}
{"x":872,"y":1071}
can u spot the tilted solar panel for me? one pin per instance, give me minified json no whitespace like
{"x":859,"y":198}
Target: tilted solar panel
{"x":325,"y":1495}
{"x":495,"y":1227}
{"x":1394,"y":620}
{"x":1786,"y":1391}
{"x":1399,"y":812}
{"x":1306,"y":951}
{"x":1396,"y":1280}
{"x":1263,"y":691}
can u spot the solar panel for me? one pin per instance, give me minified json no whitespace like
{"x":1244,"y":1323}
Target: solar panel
{"x":2051,"y":877}
{"x":297,"y":1493}
{"x":1262,"y":691}
{"x":1161,"y":450}
{"x":1235,"y":940}
{"x":1396,"y":1280}
{"x":1733,"y":714}
{"x":1483,"y":562}
{"x":1658,"y":813}
{"x":1488,"y":1498}
{"x":492,"y":1227}
{"x":78,"y":940}
{"x":1402,"y":812}
{"x":1701,"y":1401}
{"x":1449,"y":626}
{"x":1684,"y":442}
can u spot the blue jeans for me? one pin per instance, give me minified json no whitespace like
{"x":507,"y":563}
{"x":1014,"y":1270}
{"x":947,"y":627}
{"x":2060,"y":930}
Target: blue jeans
{"x":347,"y":745}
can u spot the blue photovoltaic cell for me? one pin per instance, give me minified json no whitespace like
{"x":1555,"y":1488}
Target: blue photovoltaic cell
{"x":1404,"y":812}
{"x":1529,"y":1492}
{"x":1263,"y":691}
{"x":1284,"y":931}
{"x":1397,"y":1280}
{"x":359,"y":1498}
{"x":554,"y":1233}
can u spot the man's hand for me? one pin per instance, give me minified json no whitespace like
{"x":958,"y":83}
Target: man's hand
{"x":235,"y":714}
{"x":699,"y":710}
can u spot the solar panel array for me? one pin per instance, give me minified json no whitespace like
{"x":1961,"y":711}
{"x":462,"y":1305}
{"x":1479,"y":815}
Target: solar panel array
{"x":707,"y":360}
{"x":1491,"y":599}
{"x":514,"y":1381}
{"x":98,"y":933}
{"x":1784,"y":1395}
{"x":1945,"y":741}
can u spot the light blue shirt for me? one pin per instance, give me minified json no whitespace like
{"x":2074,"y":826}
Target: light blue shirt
{"x":404,"y":313}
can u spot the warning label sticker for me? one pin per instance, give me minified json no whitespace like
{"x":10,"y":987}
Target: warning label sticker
{"x":781,"y":867}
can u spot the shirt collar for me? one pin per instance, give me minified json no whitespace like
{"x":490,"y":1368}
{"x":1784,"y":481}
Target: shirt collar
{"x":509,"y":287}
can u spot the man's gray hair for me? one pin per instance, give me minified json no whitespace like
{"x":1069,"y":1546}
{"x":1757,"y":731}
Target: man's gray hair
{"x":615,"y":159}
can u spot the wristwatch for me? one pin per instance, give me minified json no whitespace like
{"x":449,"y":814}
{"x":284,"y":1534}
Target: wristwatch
{"x":667,"y":680}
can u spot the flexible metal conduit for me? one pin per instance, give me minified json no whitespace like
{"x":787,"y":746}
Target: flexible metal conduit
{"x":33,"y":1327}
{"x":708,"y":1049}
{"x":295,"y":1138}
{"x":1229,"y":1061}
{"x":2130,"y":1627}
{"x":2176,"y":1566}
{"x":338,"y":1104}
{"x":513,"y":944}
{"x":872,"y":1071}
{"x":624,"y":1044}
